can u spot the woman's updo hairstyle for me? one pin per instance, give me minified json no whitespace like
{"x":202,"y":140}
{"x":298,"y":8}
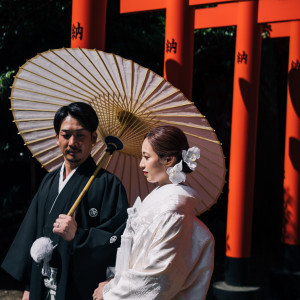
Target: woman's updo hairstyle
{"x":168,"y":141}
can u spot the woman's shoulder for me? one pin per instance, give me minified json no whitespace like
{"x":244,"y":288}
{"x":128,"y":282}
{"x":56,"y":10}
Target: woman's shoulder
{"x":177,"y":191}
{"x":171,"y":197}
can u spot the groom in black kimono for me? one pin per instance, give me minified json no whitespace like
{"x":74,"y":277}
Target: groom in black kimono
{"x":88,"y":240}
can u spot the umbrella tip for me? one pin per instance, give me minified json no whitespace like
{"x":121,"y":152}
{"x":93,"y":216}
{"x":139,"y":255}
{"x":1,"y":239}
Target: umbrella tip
{"x":113,"y":143}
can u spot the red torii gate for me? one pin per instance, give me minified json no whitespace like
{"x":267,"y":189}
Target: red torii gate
{"x":88,"y":24}
{"x":181,"y":18}
{"x":246,"y":15}
{"x":179,"y":38}
{"x":242,"y":14}
{"x":291,"y":224}
{"x":239,"y":222}
{"x":288,"y":275}
{"x":244,"y":124}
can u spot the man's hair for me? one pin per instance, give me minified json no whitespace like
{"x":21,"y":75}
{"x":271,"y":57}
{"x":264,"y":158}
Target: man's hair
{"x":80,"y":111}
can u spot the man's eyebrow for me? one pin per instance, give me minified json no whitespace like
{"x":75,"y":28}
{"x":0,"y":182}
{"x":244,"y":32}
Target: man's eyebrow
{"x":69,"y":130}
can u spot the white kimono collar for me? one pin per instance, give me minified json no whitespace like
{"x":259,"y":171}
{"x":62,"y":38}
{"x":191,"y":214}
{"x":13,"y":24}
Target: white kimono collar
{"x":63,"y":182}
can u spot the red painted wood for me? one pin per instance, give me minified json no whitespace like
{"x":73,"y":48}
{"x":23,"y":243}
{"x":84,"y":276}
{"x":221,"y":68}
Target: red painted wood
{"x":291,"y":220}
{"x":129,"y":6}
{"x":88,"y":24}
{"x":278,"y":10}
{"x":279,"y":30}
{"x":243,"y":132}
{"x":218,"y":16}
{"x":179,"y":45}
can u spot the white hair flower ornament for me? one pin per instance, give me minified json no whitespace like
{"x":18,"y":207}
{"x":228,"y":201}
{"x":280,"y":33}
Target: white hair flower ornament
{"x":190,"y":156}
{"x":175,"y":173}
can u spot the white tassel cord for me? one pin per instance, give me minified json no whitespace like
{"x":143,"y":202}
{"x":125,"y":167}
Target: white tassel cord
{"x":41,"y":250}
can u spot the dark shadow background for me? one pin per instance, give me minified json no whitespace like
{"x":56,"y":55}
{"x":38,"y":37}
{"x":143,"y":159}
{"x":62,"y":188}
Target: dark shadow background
{"x":33,"y":26}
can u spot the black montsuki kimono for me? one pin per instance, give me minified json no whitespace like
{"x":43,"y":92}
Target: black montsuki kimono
{"x":82,"y":263}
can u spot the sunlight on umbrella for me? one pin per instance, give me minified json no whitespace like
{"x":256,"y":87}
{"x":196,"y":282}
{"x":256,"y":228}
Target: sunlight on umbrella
{"x":129,"y":100}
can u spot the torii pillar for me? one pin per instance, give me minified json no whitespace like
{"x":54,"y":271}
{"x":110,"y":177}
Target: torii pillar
{"x":179,"y":38}
{"x":178,"y":61}
{"x":285,"y":280}
{"x":242,"y":155}
{"x":88,"y":24}
{"x":243,"y":141}
{"x":291,"y":183}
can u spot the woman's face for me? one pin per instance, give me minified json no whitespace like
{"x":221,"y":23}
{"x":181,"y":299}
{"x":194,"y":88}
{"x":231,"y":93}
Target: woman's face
{"x":154,"y":169}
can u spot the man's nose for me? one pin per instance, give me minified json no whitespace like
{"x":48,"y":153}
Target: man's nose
{"x":72,"y":140}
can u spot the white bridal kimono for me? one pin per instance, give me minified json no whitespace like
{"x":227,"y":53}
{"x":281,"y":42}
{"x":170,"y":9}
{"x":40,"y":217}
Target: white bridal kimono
{"x":166,"y":252}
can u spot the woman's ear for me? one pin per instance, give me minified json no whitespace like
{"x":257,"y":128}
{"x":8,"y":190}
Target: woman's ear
{"x":170,"y":161}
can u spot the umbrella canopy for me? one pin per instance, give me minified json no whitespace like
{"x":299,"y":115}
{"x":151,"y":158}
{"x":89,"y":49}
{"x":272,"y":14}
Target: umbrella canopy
{"x":128,"y":99}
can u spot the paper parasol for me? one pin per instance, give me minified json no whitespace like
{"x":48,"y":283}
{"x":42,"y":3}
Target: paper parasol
{"x":129,"y":100}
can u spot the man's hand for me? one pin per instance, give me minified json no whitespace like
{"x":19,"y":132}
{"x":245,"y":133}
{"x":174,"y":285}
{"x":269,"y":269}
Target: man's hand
{"x":25,"y":295}
{"x":98,"y":293}
{"x":66,"y":227}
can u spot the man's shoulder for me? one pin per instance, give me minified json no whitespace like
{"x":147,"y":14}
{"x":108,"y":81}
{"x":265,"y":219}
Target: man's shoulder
{"x":51,"y":174}
{"x":106,"y":181}
{"x":106,"y":175}
{"x":89,"y":166}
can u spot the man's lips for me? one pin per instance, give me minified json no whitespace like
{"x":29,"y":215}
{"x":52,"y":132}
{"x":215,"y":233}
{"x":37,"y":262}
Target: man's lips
{"x":72,"y":152}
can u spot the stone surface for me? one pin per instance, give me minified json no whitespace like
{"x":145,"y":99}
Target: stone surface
{"x":10,"y":295}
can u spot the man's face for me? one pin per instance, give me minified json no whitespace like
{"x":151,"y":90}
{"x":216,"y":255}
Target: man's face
{"x":75,"y":142}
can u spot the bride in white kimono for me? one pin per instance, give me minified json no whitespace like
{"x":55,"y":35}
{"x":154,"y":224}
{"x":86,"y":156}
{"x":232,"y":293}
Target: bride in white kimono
{"x":166,"y":251}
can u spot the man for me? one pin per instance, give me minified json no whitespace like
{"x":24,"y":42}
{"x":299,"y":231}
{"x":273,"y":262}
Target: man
{"x":88,"y":240}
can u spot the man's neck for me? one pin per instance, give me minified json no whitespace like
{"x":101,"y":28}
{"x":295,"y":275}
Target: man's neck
{"x":69,"y":167}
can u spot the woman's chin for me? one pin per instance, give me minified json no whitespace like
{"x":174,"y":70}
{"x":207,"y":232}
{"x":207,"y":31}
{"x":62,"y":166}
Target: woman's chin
{"x":149,"y":180}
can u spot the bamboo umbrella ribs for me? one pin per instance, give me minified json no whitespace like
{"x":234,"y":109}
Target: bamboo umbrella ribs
{"x":129,"y":101}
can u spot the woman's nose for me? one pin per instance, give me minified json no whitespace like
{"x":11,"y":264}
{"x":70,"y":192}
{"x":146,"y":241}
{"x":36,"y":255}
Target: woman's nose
{"x":141,"y":163}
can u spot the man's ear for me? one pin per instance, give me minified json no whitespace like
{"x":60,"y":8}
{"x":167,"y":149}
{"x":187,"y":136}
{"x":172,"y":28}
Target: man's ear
{"x":94,"y":137}
{"x":57,"y":142}
{"x":170,"y":161}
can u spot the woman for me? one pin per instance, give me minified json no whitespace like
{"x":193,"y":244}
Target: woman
{"x":166,"y":252}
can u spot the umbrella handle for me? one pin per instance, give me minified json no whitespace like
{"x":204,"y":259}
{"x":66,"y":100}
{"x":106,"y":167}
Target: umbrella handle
{"x":88,"y":184}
